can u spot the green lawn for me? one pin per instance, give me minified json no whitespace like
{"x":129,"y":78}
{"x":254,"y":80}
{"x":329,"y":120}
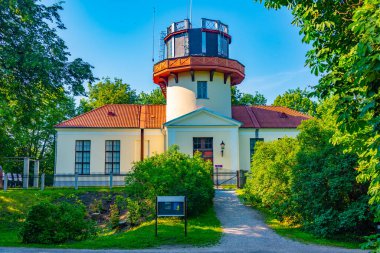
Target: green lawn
{"x":202,"y":230}
{"x":296,"y":233}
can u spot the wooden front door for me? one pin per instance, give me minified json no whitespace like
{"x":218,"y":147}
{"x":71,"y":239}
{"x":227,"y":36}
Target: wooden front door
{"x":205,"y":146}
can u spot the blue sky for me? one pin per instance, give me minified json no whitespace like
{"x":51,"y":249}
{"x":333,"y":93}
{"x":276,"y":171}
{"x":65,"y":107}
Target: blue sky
{"x":116,"y":37}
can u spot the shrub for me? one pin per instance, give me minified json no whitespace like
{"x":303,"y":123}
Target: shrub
{"x":173,"y":173}
{"x":96,"y":206}
{"x":325,"y":191}
{"x":114,"y":216}
{"x":56,"y":223}
{"x":270,"y":180}
{"x":121,"y":203}
{"x":134,"y":213}
{"x":311,"y":182}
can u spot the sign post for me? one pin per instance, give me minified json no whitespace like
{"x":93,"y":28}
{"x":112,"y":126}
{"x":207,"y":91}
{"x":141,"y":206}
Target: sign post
{"x":171,"y":206}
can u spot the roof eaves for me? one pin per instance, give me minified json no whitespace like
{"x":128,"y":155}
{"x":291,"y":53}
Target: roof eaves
{"x":78,"y":116}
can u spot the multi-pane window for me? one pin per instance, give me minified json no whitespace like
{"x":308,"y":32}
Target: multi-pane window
{"x":113,"y":157}
{"x":170,"y":48}
{"x":201,"y":89}
{"x":222,"y":45}
{"x":204,"y":145}
{"x":252,"y":144}
{"x":82,"y":157}
{"x":203,"y":42}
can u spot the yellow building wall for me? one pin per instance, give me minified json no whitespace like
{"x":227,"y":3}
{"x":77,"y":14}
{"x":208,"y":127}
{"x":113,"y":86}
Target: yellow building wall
{"x":129,"y":147}
{"x":269,"y":134}
{"x":183,"y":137}
{"x":182,"y":96}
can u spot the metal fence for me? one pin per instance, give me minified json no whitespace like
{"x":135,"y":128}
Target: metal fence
{"x":16,"y":180}
{"x":76,"y":180}
{"x":229,"y":178}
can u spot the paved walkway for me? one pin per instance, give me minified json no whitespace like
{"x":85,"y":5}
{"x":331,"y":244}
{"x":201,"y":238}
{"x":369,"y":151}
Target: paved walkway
{"x":244,"y":231}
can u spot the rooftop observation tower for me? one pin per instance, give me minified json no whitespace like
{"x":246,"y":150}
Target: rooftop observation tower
{"x":196,"y":70}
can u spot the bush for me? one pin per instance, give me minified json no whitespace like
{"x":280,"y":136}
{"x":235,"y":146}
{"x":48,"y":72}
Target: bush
{"x":325,"y":191}
{"x":173,"y":173}
{"x":134,"y":213}
{"x":56,"y":223}
{"x":270,"y":180}
{"x":121,"y":203}
{"x":114,"y":216}
{"x":310,"y":182}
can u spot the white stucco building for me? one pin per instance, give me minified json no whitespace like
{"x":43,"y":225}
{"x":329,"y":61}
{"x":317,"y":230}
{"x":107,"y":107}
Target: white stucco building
{"x":195,"y":76}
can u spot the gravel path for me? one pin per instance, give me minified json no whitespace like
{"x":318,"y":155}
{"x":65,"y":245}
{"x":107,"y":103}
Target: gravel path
{"x":243,"y":228}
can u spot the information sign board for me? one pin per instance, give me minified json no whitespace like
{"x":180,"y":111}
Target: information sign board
{"x":171,"y":206}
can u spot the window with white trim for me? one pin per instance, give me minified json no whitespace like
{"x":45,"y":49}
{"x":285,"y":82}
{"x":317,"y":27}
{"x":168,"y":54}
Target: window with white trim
{"x":82,"y":157}
{"x":201,"y":89}
{"x":112,"y":157}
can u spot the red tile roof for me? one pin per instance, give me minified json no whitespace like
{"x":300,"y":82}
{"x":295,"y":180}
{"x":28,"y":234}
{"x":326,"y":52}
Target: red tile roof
{"x":261,"y":116}
{"x":119,"y":116}
{"x":153,"y":116}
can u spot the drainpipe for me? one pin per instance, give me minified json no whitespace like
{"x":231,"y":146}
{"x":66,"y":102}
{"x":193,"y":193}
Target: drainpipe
{"x":142,"y":144}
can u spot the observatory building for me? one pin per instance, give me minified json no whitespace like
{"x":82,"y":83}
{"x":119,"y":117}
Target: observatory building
{"x":195,"y":74}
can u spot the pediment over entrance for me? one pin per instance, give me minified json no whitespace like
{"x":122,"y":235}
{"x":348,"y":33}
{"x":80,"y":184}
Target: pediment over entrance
{"x":203,"y":117}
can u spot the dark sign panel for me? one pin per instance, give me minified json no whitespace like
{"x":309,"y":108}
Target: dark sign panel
{"x":171,"y":209}
{"x":170,"y":206}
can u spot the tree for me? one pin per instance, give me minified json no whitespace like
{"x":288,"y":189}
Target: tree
{"x":346,"y":49}
{"x":297,"y":100}
{"x":36,"y":79}
{"x":107,"y":92}
{"x":155,"y":97}
{"x":31,"y":52}
{"x":311,"y":182}
{"x":239,"y":98}
{"x":325,"y":192}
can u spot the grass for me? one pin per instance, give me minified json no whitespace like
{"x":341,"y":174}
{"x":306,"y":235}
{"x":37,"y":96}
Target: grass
{"x":202,"y":230}
{"x":296,"y":233}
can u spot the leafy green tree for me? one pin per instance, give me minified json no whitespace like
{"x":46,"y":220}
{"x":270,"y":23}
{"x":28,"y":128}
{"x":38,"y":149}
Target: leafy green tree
{"x":326,"y":195}
{"x":311,"y":182}
{"x":155,"y":97}
{"x":31,"y":51}
{"x":36,"y":79}
{"x":297,"y":100}
{"x":239,"y":98}
{"x":107,"y":92}
{"x":346,"y":50}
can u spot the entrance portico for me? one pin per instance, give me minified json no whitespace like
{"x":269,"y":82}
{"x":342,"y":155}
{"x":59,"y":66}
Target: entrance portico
{"x":205,"y":125}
